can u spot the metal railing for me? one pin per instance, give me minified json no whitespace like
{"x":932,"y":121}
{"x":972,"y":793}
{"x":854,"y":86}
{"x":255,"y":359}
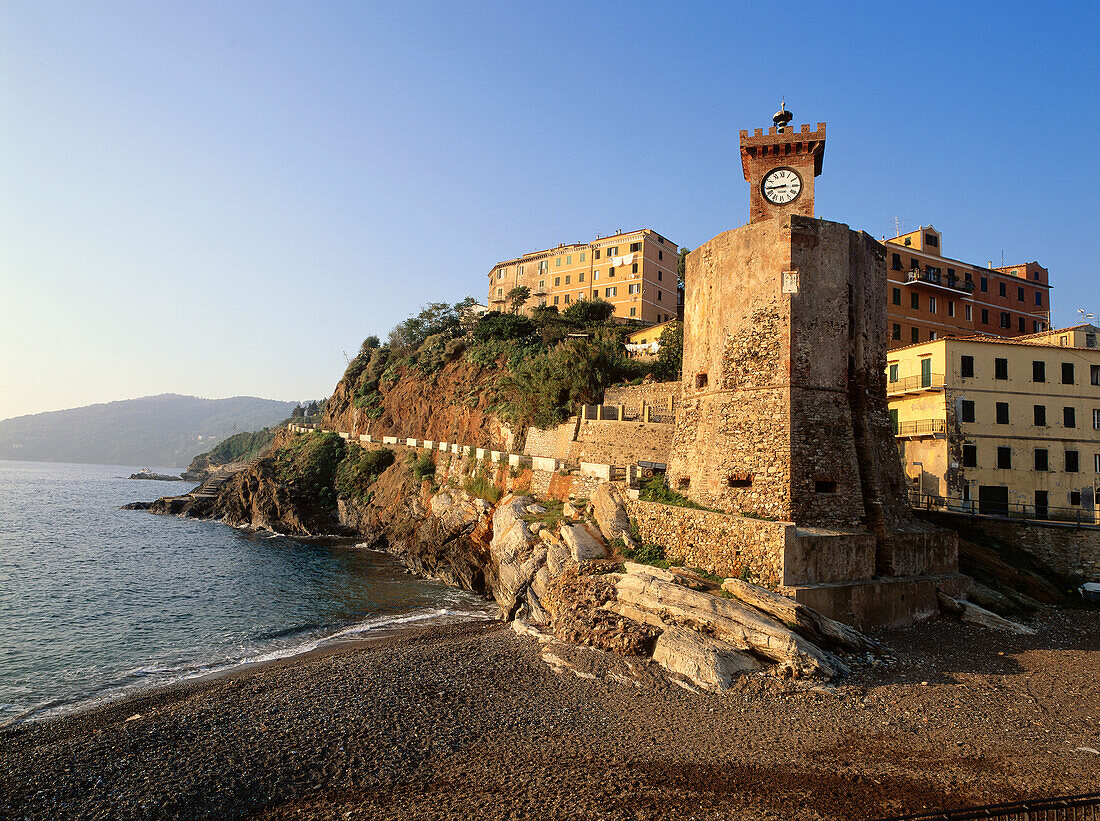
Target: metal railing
{"x":922,"y":427}
{"x":1066,"y":808}
{"x":933,"y":278}
{"x":921,"y":382}
{"x":1008,"y":510}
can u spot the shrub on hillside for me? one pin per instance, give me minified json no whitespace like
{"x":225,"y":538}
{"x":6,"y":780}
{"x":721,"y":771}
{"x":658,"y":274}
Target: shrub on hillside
{"x":307,"y":465}
{"x":359,"y":469}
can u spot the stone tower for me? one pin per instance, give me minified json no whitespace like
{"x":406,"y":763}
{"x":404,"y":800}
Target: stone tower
{"x":783,"y":414}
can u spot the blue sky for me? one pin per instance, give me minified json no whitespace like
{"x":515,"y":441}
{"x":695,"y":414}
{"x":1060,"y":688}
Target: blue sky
{"x":222,"y":198}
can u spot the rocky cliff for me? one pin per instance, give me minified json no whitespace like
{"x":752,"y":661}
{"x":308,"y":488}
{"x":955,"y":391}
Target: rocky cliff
{"x":453,"y":404}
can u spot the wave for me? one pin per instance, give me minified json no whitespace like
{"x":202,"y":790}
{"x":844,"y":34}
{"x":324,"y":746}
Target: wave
{"x":143,"y":680}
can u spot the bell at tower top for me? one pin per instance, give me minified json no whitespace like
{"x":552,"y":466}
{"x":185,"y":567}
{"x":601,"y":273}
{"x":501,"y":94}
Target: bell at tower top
{"x":782,"y":117}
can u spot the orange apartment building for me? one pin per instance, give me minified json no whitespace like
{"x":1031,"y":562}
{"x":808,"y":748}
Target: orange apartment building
{"x":635,"y":272}
{"x":933,"y":296}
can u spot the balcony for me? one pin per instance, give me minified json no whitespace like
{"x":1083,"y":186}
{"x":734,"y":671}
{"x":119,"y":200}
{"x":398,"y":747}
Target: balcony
{"x":930,"y":382}
{"x":936,"y":428}
{"x":951,"y":283}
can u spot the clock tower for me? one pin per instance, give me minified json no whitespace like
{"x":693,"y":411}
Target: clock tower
{"x":780,"y":167}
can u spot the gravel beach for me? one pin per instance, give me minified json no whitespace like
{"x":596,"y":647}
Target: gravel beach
{"x":467,"y":721}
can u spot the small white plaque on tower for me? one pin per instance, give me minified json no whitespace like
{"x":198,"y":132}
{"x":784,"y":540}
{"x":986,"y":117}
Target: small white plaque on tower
{"x":790,"y":282}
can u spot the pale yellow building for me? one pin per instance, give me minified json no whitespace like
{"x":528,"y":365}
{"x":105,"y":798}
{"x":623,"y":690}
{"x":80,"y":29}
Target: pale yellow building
{"x":1001,"y":426}
{"x":635,"y":272}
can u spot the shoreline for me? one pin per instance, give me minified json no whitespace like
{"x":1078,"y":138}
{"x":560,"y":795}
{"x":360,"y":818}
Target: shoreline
{"x":354,"y":637}
{"x":468,"y":721}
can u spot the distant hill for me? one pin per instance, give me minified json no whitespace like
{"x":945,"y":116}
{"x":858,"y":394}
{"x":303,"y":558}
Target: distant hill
{"x":166,"y":430}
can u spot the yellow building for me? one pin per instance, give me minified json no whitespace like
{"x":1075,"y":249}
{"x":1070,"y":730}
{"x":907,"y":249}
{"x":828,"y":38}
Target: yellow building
{"x":635,"y":272}
{"x":1001,"y":426}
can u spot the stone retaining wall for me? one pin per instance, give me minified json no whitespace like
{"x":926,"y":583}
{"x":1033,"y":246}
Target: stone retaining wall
{"x":719,"y":543}
{"x":1064,"y":548}
{"x":656,"y":394}
{"x":553,"y":443}
{"x":621,"y":443}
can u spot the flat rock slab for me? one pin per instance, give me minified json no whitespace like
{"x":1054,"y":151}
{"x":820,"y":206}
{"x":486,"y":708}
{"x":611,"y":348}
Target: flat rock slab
{"x":582,"y":544}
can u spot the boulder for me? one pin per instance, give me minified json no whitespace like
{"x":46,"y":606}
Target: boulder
{"x":535,"y":509}
{"x":730,"y":621}
{"x":582,"y":544}
{"x":802,"y":619}
{"x":516,"y":554}
{"x":973,"y":614}
{"x":610,"y":513}
{"x":702,"y":659}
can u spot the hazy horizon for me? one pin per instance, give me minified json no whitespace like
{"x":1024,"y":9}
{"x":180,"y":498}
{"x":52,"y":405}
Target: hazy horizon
{"x":222,"y":199}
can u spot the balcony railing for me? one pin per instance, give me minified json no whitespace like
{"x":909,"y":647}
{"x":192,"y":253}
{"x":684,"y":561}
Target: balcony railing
{"x":922,"y":427}
{"x":943,"y":280}
{"x":916,"y":384}
{"x":1010,"y":510}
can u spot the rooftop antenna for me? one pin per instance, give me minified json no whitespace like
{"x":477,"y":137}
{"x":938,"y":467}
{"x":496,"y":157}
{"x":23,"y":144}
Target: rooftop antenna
{"x":897,"y":227}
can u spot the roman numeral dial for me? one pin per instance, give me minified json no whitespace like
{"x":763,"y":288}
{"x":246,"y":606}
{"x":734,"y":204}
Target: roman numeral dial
{"x":781,"y":186}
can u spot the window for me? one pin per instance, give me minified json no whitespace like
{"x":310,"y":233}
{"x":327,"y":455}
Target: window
{"x":895,"y":262}
{"x":542,"y":284}
{"x":1067,"y":373}
{"x":1072,"y":465}
{"x":1090,"y":340}
{"x":580,"y":277}
{"x":950,"y":308}
{"x":893,"y":377}
{"x":1004,"y":458}
{"x":633,"y":289}
{"x":985,"y":316}
{"x":931,"y":304}
{"x":895,"y":423}
{"x":567,"y":299}
{"x":897,"y":296}
{"x":542,"y":267}
{"x":660,"y":254}
{"x":700,"y":381}
{"x":966,"y":410}
{"x":966,"y":366}
{"x":658,"y":296}
{"x":569,"y":259}
{"x":1006,"y":319}
{"x":1002,"y":413}
{"x":1096,"y":462}
{"x":500,"y":292}
{"x":933,"y":335}
{"x":968,"y":312}
{"x":633,"y":311}
{"x":931,"y":240}
{"x":984,"y":284}
{"x":1094,"y":374}
{"x":1041,"y":416}
{"x":914,"y":264}
{"x":915,"y":335}
{"x":1041,"y":502}
{"x":1000,"y":369}
{"x":1096,"y":419}
{"x":634,"y":268}
{"x":1069,"y":417}
{"x":582,"y":256}
{"x":970,"y":456}
{"x":567,"y":279}
{"x":557,"y":281}
{"x":611,"y":272}
{"x":824,"y":486}
{"x":610,"y":291}
{"x":1019,"y":294}
{"x":1075,"y":497}
{"x":613,"y":251}
{"x":557,"y":262}
{"x":595,"y":253}
{"x":555,"y":300}
{"x":659,"y":276}
{"x":635,"y":246}
{"x":1042,"y":461}
{"x":896,"y":331}
{"x":914,"y":301}
{"x":1002,"y":289}
{"x":595,"y":275}
{"x":1038,"y":371}
{"x":1039,"y":298}
{"x":1021,"y":324}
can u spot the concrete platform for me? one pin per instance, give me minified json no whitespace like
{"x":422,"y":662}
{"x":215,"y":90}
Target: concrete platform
{"x":880,"y":602}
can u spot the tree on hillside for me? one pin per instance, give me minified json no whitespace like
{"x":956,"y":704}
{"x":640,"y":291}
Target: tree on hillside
{"x":588,"y":311}
{"x":369,"y":344}
{"x":298,"y":412}
{"x":517,"y":296}
{"x":312,"y":409}
{"x":681,"y":267}
{"x":543,"y":313}
{"x":434,"y":318}
{"x":670,"y":355}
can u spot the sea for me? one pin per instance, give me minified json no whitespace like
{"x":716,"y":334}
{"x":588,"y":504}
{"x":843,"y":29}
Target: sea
{"x":99,"y":603}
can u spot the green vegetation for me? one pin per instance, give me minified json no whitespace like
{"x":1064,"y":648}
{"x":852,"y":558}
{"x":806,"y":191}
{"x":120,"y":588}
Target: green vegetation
{"x":657,"y":490}
{"x":483,"y":488}
{"x":670,"y":357}
{"x":422,"y":467}
{"x":551,"y":517}
{"x":240,"y":446}
{"x":359,"y":469}
{"x":308,"y":466}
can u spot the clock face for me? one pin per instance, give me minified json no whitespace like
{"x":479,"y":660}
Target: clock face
{"x":781,"y":185}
